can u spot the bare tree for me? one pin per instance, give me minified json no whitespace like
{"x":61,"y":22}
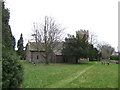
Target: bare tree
{"x":92,"y":38}
{"x":106,"y":50}
{"x":48,"y":36}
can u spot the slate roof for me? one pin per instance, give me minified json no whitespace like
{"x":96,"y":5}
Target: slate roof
{"x":32,"y":46}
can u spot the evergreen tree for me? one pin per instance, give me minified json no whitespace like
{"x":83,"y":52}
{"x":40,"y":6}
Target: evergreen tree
{"x":93,"y":53}
{"x":78,"y":47}
{"x":12,"y":71}
{"x":20,"y":47}
{"x":7,"y":38}
{"x":75,"y":47}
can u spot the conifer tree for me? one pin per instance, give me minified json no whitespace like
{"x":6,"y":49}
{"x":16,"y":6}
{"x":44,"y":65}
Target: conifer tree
{"x":12,"y":71}
{"x":20,"y":47}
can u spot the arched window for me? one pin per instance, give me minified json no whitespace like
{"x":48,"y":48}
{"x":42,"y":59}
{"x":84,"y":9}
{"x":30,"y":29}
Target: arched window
{"x":37,"y":56}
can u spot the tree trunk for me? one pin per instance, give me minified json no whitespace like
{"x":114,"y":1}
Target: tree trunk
{"x":46,"y":59}
{"x":76,"y":60}
{"x":46,"y":62}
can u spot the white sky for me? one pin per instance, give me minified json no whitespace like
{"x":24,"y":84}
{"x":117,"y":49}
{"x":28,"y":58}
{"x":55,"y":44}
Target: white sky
{"x":98,"y":16}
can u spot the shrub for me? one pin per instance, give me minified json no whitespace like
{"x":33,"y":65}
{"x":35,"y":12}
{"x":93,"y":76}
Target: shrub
{"x":12,"y":75}
{"x":114,"y":57}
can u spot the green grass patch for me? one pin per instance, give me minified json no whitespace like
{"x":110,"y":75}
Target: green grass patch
{"x":86,"y":75}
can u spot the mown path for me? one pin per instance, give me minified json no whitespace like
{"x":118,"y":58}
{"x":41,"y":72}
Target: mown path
{"x":70,"y":78}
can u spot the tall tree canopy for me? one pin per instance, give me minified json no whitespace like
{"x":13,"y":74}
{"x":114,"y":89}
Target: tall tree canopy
{"x":20,"y":46}
{"x":79,"y":47}
{"x":8,"y":39}
{"x":75,"y":47}
{"x":93,"y":53}
{"x":12,"y":70}
{"x":47,"y":36}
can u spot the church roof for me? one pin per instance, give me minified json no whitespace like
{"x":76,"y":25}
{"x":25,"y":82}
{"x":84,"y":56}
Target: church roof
{"x":33,"y":46}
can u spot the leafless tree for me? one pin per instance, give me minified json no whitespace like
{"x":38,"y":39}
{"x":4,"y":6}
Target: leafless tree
{"x":47,"y":36}
{"x":93,"y":38}
{"x":106,"y":50}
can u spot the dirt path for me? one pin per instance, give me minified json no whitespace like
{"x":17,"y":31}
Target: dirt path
{"x":69,"y":79}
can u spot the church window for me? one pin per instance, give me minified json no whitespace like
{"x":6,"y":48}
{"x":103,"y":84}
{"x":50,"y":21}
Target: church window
{"x":37,"y":56}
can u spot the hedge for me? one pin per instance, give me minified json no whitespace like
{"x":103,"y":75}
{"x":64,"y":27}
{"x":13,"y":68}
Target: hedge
{"x":114,"y":57}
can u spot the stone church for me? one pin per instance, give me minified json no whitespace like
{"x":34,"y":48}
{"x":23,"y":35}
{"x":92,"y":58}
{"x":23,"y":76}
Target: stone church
{"x":33,"y":55}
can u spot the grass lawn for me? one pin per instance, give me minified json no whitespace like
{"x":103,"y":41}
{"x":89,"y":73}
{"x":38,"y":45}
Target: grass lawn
{"x":87,"y":75}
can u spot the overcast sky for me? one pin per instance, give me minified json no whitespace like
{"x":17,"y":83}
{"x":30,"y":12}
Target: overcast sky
{"x":98,"y":16}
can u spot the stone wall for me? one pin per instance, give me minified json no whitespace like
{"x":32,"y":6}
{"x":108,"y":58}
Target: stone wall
{"x":36,"y":57}
{"x":28,"y":55}
{"x":59,"y":59}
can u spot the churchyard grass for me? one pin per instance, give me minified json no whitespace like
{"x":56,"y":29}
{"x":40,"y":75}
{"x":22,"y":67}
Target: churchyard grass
{"x":85,"y":75}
